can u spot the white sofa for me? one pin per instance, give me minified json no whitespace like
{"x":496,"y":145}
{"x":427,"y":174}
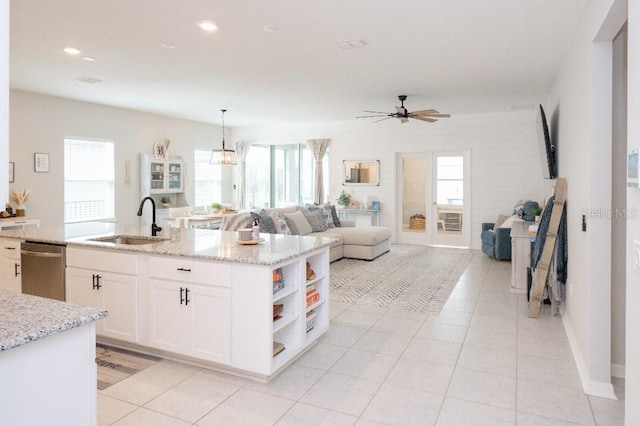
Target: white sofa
{"x":354,"y":242}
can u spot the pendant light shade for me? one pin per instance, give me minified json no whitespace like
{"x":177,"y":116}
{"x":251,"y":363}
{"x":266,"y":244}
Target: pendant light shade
{"x":223,"y":157}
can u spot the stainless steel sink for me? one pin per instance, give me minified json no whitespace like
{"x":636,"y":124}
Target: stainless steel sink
{"x":128,"y":239}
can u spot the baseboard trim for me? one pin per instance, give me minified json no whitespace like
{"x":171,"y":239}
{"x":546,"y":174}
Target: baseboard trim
{"x":590,"y":387}
{"x":617,"y":370}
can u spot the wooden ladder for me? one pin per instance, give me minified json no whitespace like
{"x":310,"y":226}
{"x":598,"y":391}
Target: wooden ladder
{"x":542,"y":270}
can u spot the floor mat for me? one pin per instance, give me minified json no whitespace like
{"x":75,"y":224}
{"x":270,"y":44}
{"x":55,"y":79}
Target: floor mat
{"x":115,"y":364}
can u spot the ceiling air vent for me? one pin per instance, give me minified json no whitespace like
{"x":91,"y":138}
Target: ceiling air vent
{"x":90,"y":80}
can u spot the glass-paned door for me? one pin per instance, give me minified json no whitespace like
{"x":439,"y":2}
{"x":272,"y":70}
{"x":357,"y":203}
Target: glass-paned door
{"x":450,"y":222}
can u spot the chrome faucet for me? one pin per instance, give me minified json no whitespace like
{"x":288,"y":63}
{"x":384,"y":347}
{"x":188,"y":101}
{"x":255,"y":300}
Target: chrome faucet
{"x":154,"y":228}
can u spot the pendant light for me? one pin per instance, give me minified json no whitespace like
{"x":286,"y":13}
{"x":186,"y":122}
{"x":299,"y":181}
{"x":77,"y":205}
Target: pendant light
{"x":223,"y":157}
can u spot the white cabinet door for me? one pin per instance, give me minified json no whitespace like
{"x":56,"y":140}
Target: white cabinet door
{"x":209,"y":316}
{"x":10,"y":271}
{"x":167,"y":316}
{"x":190,"y":319}
{"x":115,"y":293}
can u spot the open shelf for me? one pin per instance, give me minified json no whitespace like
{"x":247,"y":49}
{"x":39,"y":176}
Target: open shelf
{"x":287,"y":318}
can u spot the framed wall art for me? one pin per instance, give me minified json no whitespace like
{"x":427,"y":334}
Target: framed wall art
{"x":41,"y":162}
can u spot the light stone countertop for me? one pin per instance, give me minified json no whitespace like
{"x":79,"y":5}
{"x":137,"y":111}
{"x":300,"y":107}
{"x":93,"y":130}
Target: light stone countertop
{"x":25,"y":318}
{"x":194,"y":243}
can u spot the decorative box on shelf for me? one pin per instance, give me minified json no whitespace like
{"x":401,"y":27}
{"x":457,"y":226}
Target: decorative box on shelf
{"x":278,"y":281}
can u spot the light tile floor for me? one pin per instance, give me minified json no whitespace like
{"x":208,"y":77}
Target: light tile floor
{"x":481,"y":361}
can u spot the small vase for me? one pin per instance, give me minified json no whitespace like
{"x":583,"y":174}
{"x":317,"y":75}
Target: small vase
{"x":20,"y":211}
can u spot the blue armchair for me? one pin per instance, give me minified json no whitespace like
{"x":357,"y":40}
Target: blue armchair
{"x":496,"y":243}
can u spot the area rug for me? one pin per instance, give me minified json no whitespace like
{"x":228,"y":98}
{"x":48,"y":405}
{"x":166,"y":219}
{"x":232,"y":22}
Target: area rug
{"x":411,"y":278}
{"x":116,"y":364}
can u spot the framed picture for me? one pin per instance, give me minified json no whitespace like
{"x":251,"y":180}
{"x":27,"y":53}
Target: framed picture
{"x":12,"y":175}
{"x":375,"y":205}
{"x":159,"y":150}
{"x":41,"y":162}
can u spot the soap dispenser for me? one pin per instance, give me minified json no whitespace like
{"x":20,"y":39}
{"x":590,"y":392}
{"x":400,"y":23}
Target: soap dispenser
{"x":255,"y":231}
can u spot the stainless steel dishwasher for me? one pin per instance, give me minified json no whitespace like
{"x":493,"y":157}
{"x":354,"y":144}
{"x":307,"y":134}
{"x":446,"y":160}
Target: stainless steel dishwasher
{"x":43,"y":269}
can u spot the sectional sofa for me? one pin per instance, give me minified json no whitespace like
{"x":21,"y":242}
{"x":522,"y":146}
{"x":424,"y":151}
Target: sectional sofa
{"x":350,"y":241}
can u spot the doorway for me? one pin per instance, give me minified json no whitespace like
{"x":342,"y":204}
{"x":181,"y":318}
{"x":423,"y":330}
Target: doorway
{"x":432,"y":189}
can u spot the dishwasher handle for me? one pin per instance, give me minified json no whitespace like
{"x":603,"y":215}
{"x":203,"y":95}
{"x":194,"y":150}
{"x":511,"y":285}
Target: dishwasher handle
{"x":40,"y":254}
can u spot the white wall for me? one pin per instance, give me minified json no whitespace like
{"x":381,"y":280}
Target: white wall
{"x":40,"y":124}
{"x":581,"y":99}
{"x":4,"y":100}
{"x":505,"y":159}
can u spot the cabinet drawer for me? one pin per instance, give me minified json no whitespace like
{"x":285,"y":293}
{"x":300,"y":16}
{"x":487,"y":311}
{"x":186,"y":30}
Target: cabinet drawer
{"x":10,"y":249}
{"x":191,"y":271}
{"x":102,"y":260}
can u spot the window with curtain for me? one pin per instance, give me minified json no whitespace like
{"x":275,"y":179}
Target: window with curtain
{"x":207,"y":179}
{"x":281,"y":175}
{"x":88,"y":180}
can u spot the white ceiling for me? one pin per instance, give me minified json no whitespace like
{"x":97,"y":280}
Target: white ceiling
{"x":460,"y":56}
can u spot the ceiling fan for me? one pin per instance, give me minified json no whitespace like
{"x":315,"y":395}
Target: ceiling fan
{"x":429,"y":115}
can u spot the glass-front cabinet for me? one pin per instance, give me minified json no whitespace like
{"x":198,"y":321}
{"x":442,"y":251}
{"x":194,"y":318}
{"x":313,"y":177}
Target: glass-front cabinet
{"x":164,"y":176}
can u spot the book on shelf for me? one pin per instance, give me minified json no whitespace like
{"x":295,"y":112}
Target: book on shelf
{"x":278,"y":280}
{"x":313,"y":298}
{"x":311,"y":289}
{"x":277,"y":348}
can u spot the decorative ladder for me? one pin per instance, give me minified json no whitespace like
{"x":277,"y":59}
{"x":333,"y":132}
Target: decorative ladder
{"x":542,"y":270}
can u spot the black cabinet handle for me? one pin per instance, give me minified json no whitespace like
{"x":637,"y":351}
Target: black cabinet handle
{"x":98,"y":285}
{"x":186,"y":296}
{"x":9,"y":248}
{"x":93,"y":280}
{"x":15,"y":268}
{"x":184,"y":269}
{"x":181,"y":296}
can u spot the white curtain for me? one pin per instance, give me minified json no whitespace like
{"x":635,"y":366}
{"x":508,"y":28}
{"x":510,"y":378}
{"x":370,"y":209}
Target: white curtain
{"x":242,"y":149}
{"x":318,"y":147}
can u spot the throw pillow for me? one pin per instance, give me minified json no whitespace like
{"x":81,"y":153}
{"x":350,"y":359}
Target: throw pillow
{"x":326,"y":214}
{"x":334,"y":214}
{"x":499,"y":221}
{"x":265,"y":222}
{"x":299,"y":222}
{"x":316,"y":221}
{"x":280,"y":223}
{"x":507,"y":223}
{"x":235,"y":222}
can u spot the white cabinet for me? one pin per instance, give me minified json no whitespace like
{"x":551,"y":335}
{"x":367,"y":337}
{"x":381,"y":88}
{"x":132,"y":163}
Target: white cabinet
{"x":10,"y":272}
{"x":107,"y":281}
{"x":188,"y":313}
{"x":159,"y":176}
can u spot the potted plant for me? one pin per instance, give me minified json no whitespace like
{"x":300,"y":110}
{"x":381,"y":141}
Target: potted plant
{"x":165,"y":200}
{"x":536,"y":211}
{"x":344,"y":199}
{"x":216,"y":207}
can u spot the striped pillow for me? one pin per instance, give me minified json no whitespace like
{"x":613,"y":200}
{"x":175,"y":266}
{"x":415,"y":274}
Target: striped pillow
{"x":280,"y":223}
{"x":235,"y":222}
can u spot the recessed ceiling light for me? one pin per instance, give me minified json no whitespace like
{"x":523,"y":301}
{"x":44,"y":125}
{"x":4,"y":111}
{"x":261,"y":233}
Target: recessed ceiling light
{"x":270,"y":29}
{"x":88,"y":59}
{"x":207,"y":25}
{"x":90,"y":80}
{"x":71,"y":51}
{"x":167,"y":46}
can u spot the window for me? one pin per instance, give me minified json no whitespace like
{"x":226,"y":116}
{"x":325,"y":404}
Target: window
{"x":450,"y":180}
{"x":207,"y":179}
{"x":88,"y":180}
{"x":280,"y":175}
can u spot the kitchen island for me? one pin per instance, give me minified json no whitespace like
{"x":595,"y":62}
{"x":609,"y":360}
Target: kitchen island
{"x":47,"y":361}
{"x":199,"y":296}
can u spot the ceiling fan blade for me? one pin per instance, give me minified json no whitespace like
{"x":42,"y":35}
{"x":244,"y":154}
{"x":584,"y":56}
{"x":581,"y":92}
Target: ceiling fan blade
{"x":369,"y":116}
{"x":425,"y":111}
{"x":437,"y":115}
{"x":401,"y":110}
{"x":404,"y":120}
{"x":375,"y":112}
{"x":430,"y":120}
{"x":386,"y":118}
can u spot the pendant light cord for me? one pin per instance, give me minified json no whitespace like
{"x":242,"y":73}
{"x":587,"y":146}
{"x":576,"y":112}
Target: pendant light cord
{"x":223,"y":111}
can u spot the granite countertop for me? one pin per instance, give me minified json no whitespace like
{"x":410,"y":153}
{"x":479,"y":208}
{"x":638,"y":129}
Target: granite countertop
{"x":25,"y":318}
{"x":194,"y":243}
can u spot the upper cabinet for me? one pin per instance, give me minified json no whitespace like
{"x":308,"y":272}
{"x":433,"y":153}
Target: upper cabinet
{"x":159,"y":176}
